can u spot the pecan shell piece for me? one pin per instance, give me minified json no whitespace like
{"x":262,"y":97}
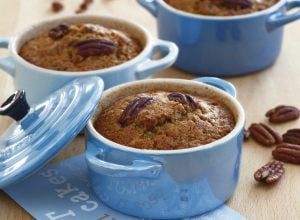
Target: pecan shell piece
{"x":59,"y":31}
{"x":133,"y":109}
{"x":264,"y":135}
{"x":283,"y":113}
{"x":287,"y":153}
{"x":237,"y":3}
{"x":270,"y":173}
{"x":57,"y":6}
{"x":292,"y":136}
{"x":83,"y":6}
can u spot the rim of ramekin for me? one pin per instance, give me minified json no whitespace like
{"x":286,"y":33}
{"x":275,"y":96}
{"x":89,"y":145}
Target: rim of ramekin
{"x":19,"y":59}
{"x":237,"y":129}
{"x":211,"y":17}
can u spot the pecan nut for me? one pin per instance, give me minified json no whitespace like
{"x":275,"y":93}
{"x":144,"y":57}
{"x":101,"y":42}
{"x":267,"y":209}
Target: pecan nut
{"x":178,"y":97}
{"x":192,"y":103}
{"x":292,"y":136}
{"x":283,"y":113}
{"x":270,"y":173}
{"x":237,"y":3}
{"x":183,"y":99}
{"x":59,"y":31}
{"x":264,"y":135}
{"x":287,"y":152}
{"x":132,"y":110}
{"x":95,"y":47}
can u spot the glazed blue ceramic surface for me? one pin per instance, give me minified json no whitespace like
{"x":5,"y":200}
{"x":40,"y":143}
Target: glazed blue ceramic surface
{"x":39,"y":82}
{"x":224,"y":46}
{"x":166,"y":184}
{"x":46,"y":128}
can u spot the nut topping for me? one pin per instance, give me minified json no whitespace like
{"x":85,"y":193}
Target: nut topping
{"x":178,"y":97}
{"x":292,"y":136}
{"x":237,"y":3}
{"x":270,"y":173}
{"x":95,"y":47}
{"x":58,"y":32}
{"x":191,"y":101}
{"x":287,"y":152}
{"x":264,"y":135}
{"x":133,"y":109}
{"x":283,"y":113}
{"x":183,"y":99}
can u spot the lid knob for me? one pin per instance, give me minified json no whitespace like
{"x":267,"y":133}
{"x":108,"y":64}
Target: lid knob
{"x":15,"y":106}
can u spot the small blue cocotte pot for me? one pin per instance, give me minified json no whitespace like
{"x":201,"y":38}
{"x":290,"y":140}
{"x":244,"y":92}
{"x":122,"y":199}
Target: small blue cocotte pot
{"x":224,"y":46}
{"x":166,"y":184}
{"x":40,"y":82}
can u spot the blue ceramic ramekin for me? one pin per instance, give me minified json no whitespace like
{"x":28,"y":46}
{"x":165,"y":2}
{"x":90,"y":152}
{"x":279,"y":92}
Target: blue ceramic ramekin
{"x":224,"y":46}
{"x":166,"y":184}
{"x":40,"y":82}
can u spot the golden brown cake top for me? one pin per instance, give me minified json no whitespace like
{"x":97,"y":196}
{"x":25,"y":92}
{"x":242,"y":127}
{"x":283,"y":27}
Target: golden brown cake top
{"x":163,"y":120}
{"x":80,"y":47}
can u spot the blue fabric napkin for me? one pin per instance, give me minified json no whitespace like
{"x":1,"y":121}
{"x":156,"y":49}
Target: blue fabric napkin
{"x":61,"y":191}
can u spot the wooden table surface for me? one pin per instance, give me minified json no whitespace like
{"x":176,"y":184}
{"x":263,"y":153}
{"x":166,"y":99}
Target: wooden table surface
{"x":279,"y":84}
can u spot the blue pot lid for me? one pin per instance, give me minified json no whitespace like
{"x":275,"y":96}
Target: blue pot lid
{"x":43,"y":130}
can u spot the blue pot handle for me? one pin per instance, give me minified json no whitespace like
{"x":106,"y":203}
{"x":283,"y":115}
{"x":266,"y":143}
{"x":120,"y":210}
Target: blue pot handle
{"x":6,"y":63}
{"x":149,"y":66}
{"x":138,"y":168}
{"x":150,"y":5}
{"x":281,"y":18}
{"x":218,"y":83}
